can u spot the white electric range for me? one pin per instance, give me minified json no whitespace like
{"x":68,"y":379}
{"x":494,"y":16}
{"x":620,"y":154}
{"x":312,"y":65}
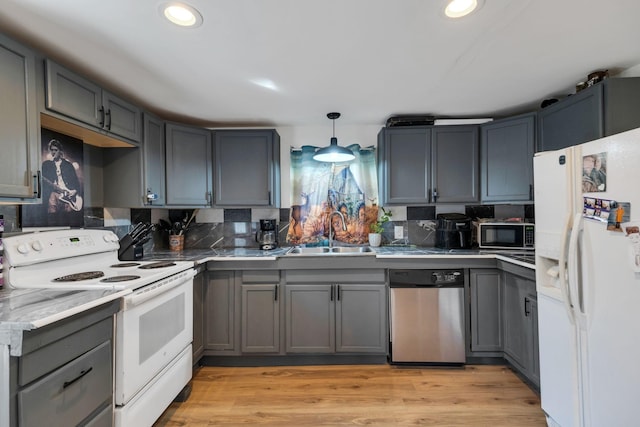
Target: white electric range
{"x":153,"y":329}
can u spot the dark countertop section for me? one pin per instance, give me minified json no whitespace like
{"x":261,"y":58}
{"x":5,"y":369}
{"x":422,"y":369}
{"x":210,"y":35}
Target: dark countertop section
{"x":201,"y":256}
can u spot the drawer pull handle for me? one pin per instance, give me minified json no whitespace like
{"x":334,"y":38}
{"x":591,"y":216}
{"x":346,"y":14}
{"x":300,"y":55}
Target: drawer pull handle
{"x":82,"y":374}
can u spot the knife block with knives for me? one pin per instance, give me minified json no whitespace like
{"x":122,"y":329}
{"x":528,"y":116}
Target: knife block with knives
{"x":131,"y":244}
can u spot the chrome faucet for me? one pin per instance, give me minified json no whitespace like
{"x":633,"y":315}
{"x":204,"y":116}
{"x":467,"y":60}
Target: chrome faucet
{"x":344,"y":226}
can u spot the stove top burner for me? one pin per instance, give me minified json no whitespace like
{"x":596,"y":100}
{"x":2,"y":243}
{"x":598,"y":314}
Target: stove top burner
{"x":88,"y":275}
{"x":122,"y":278}
{"x":125,"y":264}
{"x":159,"y":264}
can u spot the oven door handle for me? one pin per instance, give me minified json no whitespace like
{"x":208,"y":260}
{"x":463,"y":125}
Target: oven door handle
{"x":149,"y":292}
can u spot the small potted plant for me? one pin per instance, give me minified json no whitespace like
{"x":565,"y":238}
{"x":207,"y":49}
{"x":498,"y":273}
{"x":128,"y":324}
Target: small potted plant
{"x":376,"y":228}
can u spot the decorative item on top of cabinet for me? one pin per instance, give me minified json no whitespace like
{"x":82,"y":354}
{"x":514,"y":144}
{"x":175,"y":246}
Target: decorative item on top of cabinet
{"x":428,"y":164}
{"x":74,"y":96}
{"x":507,"y":147}
{"x":19,"y":125}
{"x":246,"y":168}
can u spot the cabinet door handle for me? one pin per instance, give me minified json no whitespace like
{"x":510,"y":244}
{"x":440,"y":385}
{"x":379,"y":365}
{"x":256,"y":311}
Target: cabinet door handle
{"x":338,"y":290}
{"x":101,"y":110}
{"x":276,"y":289}
{"x":527,"y":311}
{"x":331,"y":297}
{"x":435,"y":195}
{"x":37,"y":185}
{"x":108,"y":124}
{"x":82,"y":374}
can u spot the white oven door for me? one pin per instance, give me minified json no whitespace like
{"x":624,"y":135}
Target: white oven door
{"x":154,"y":326}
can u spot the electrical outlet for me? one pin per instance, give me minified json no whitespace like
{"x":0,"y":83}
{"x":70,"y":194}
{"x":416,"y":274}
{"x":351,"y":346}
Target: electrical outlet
{"x":398,"y":232}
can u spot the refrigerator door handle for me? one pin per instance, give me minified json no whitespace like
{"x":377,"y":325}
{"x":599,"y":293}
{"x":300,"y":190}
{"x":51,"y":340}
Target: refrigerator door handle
{"x":574,"y":266}
{"x":562,"y":269}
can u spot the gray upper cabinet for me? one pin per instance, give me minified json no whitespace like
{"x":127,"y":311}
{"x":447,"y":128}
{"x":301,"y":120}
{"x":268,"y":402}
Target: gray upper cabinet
{"x":19,"y":124}
{"x":188,"y":165}
{"x":420,"y":165}
{"x":455,"y":164}
{"x":153,"y":151}
{"x":246,"y":168}
{"x":404,"y":166}
{"x":74,"y":96}
{"x":507,"y":147}
{"x":604,"y":109}
{"x":134,"y":177}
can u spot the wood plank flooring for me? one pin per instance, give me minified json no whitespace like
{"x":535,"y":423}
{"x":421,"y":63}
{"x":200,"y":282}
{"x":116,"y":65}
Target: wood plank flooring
{"x":373,"y":395}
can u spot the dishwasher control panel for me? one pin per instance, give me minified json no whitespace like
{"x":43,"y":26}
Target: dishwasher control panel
{"x":421,"y":277}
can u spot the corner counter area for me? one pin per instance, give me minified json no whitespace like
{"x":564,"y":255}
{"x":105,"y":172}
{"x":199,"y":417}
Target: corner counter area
{"x":257,"y":308}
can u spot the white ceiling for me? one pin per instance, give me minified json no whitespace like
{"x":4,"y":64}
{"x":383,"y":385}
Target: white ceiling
{"x":368,"y":59}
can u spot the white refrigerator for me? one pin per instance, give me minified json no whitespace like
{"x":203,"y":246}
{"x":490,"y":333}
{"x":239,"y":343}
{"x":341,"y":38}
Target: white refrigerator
{"x":588,"y":283}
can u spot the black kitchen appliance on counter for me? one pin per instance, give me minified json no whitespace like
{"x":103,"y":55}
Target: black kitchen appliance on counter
{"x":267,"y":234}
{"x":454,"y":231}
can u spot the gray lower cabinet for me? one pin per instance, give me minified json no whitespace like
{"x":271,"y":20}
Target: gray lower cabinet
{"x":607,"y":108}
{"x":199,"y":282}
{"x":189,"y":162}
{"x":260,"y":311}
{"x":260,"y":318}
{"x":506,"y":160}
{"x":19,"y":124}
{"x":246,"y":168}
{"x":334,"y":312}
{"x":485,"y":316}
{"x":432,"y":164}
{"x":74,"y":96}
{"x":59,"y":364}
{"x":520,"y":324}
{"x":221,"y":336}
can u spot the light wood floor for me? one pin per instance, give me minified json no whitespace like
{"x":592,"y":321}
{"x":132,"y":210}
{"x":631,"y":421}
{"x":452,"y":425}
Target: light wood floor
{"x":374,"y":395}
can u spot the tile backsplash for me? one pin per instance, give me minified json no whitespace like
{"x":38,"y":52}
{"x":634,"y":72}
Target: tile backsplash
{"x":228,"y":228}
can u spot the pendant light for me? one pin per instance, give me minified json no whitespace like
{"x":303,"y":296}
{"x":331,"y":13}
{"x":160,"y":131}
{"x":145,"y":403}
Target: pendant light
{"x":334,"y":153}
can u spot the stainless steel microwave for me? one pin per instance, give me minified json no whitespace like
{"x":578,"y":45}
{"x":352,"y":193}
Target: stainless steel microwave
{"x":506,"y":235}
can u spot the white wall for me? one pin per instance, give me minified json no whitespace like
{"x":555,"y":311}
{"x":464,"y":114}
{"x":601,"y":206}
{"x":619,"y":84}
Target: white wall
{"x":319,"y":136}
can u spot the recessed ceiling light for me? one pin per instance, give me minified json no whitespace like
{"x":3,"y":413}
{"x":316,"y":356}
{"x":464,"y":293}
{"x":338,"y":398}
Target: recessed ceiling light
{"x":181,"y":14}
{"x":460,"y":8}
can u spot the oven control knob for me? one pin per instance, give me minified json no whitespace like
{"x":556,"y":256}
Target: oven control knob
{"x":37,"y":246}
{"x":23,"y":248}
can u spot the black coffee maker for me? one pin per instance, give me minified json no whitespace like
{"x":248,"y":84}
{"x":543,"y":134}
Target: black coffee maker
{"x":267,"y":235}
{"x":453,"y":231}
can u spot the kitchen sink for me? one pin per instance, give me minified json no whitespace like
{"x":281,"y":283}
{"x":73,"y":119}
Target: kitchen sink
{"x":337,"y":250}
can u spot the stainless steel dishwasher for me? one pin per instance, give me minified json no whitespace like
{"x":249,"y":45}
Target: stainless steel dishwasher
{"x":427,"y":317}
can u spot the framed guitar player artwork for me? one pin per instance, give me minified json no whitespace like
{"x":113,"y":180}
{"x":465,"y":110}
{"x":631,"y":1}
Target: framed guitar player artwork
{"x":62,"y":177}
